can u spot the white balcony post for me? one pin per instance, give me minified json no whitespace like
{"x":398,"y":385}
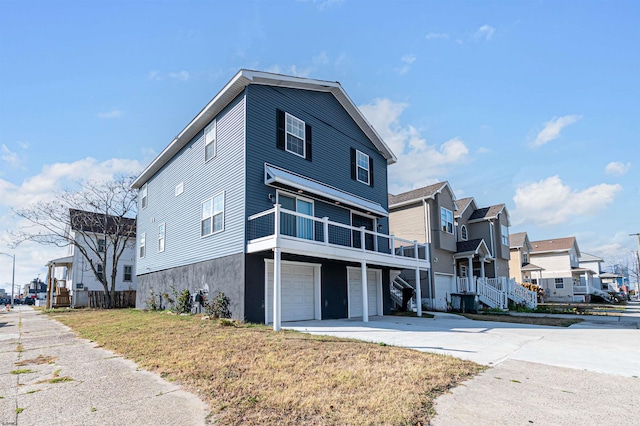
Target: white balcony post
{"x":325,"y":227}
{"x":277,"y":296}
{"x":276,"y":222}
{"x":365,"y":296}
{"x":471,"y":278}
{"x":362,"y":241}
{"x":393,"y":245}
{"x":482,"y":267}
{"x":418,"y":289}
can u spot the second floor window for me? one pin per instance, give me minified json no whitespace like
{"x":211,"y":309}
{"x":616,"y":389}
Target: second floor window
{"x":210,"y":141}
{"x":362,"y":164}
{"x":463,"y":233}
{"x":212,"y":220}
{"x":161,"y":232}
{"x":525,"y":258}
{"x":295,"y":135}
{"x":559,"y":282}
{"x":128,"y":273}
{"x":102,"y":245}
{"x":143,"y":242}
{"x":505,"y":235}
{"x":143,"y":196}
{"x":446,"y":220}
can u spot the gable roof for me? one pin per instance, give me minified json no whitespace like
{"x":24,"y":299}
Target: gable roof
{"x":462,"y":204}
{"x":234,"y":87}
{"x":586,"y":257}
{"x":100,"y":223}
{"x":556,"y":245}
{"x":476,"y":246}
{"x":418,"y":194}
{"x":487,"y":213}
{"x":518,"y":240}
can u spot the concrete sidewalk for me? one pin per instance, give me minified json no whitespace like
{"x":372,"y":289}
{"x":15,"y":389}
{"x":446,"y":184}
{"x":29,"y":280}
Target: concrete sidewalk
{"x":97,"y":386}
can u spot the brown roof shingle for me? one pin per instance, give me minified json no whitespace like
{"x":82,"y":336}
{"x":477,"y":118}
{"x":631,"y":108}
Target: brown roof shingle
{"x":487,"y":212}
{"x":517,"y":239}
{"x":416,"y":194}
{"x":556,"y":244}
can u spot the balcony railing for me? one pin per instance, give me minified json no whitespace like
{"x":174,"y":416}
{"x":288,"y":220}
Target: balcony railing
{"x":293,"y":225}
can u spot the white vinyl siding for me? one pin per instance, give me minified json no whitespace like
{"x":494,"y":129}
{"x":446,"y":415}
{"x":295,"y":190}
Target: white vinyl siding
{"x":210,"y":141}
{"x":362,"y":167}
{"x":295,"y":135}
{"x":446,"y":220}
{"x":212,"y":220}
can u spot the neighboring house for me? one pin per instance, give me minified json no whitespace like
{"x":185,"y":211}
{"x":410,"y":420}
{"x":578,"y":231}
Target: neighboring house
{"x":561,"y":274}
{"x":276,"y":195}
{"x":611,"y":281}
{"x":426,"y":215}
{"x":91,"y":230}
{"x":520,"y":267}
{"x":594,"y":263}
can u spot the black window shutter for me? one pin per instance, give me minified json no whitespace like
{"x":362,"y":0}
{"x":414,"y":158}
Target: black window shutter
{"x":353,"y":164}
{"x":307,"y":135}
{"x":280,"y":127}
{"x":370,"y":171}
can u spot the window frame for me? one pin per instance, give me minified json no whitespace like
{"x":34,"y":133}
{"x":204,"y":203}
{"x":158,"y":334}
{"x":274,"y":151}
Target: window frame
{"x":142,"y":251}
{"x":561,"y":283}
{"x":525,"y":258}
{"x":162,"y":232}
{"x":100,"y":271}
{"x":287,"y":132}
{"x":124,"y":273}
{"x":102,"y":244}
{"x":445,"y":221}
{"x":144,"y":199}
{"x":464,"y":234}
{"x":213,"y":214}
{"x":179,"y":189}
{"x":505,"y":235}
{"x":358,"y":167}
{"x":207,"y":132}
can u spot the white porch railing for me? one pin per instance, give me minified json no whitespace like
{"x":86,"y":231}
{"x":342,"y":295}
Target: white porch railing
{"x":496,"y":292}
{"x":306,"y":228}
{"x":523,"y":295}
{"x":580,"y":289}
{"x":490,"y":295}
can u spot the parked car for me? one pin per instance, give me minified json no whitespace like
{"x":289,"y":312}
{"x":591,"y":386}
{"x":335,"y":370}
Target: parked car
{"x":4,"y":300}
{"x":29,"y":301}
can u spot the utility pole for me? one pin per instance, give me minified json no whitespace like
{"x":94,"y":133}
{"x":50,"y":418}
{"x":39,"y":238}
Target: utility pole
{"x":637,"y":235}
{"x":13,"y":275}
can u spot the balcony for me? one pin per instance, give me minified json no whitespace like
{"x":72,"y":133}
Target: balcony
{"x":303,"y":234}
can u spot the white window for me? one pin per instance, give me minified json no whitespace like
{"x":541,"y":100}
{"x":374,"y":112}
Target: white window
{"x":295,"y":139}
{"x":143,"y":241}
{"x":210,"y":141}
{"x":463,"y":232}
{"x":128,"y":273}
{"x":525,"y":258}
{"x":446,"y":220}
{"x":534,"y":281}
{"x":505,"y":235}
{"x":179,"y":188}
{"x":102,"y":244}
{"x":143,"y":196}
{"x":161,"y":232}
{"x":559,"y":282}
{"x":463,"y":271}
{"x":100,"y":271}
{"x":362,"y":167}
{"x":212,"y":220}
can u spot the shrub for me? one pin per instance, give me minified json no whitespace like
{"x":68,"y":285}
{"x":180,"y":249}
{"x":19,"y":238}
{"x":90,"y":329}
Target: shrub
{"x":183,"y":302}
{"x":218,"y":307}
{"x":151,"y":302}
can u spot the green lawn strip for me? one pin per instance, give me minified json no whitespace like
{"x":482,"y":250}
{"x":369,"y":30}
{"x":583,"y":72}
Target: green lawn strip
{"x":546,"y":321}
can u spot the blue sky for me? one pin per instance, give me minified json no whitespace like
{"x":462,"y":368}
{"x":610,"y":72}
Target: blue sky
{"x":531,"y":104}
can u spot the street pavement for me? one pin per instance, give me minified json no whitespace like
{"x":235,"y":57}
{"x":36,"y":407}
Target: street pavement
{"x":77,"y":382}
{"x":586,"y":374}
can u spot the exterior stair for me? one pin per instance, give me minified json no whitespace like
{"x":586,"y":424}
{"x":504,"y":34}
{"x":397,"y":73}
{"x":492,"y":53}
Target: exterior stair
{"x":397,"y":285}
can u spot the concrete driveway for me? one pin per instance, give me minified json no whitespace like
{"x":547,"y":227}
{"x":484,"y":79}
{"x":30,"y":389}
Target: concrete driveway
{"x":586,"y":374}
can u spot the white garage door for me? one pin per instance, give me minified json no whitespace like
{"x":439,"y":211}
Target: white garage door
{"x":443,"y":288}
{"x":298,"y":292}
{"x":374,"y":290}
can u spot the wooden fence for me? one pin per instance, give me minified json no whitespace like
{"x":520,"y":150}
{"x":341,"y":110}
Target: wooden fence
{"x":122,"y":299}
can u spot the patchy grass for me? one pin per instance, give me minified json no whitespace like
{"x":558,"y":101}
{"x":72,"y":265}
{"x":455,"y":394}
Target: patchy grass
{"x":19,"y":410}
{"x":62,"y":379}
{"x":22,"y":371}
{"x":556,"y":322}
{"x":250,"y":374}
{"x":39,"y":360}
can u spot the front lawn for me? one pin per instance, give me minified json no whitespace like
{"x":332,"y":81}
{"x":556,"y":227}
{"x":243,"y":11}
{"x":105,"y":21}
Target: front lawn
{"x":556,"y":322}
{"x":249,"y":374}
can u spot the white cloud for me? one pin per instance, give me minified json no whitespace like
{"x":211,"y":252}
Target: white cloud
{"x":550,"y":202}
{"x":407,"y":60}
{"x":419,"y":163}
{"x":114,"y":113}
{"x":617,"y":168}
{"x":485,"y":32}
{"x":154,"y":75}
{"x":9,"y":156}
{"x":483,"y":150}
{"x":433,"y":36}
{"x":552,"y":128}
{"x":179,"y":75}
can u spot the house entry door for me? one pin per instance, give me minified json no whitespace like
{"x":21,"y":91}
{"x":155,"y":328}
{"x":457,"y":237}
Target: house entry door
{"x":368,"y":223}
{"x":296,"y":226}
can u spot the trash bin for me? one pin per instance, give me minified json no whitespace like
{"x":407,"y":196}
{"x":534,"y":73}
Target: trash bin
{"x":464,"y":302}
{"x":407,"y":294}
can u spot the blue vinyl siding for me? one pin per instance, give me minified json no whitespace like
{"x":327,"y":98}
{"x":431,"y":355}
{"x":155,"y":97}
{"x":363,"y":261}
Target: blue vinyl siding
{"x":225,"y":172}
{"x":334,"y":134}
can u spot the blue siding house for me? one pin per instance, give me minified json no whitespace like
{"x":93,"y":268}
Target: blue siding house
{"x":276,"y":195}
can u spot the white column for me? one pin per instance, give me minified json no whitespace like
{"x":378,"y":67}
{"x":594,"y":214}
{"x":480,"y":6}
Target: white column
{"x":418,"y":289}
{"x":325,"y":229}
{"x":482,"y":267}
{"x":277,"y":296}
{"x":365,"y":296}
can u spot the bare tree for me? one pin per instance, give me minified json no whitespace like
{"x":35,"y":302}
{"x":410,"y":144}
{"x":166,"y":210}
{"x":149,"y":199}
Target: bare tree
{"x":98,"y":220}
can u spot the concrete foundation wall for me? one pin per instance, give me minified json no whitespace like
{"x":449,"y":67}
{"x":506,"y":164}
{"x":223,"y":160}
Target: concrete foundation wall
{"x":225,"y":274}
